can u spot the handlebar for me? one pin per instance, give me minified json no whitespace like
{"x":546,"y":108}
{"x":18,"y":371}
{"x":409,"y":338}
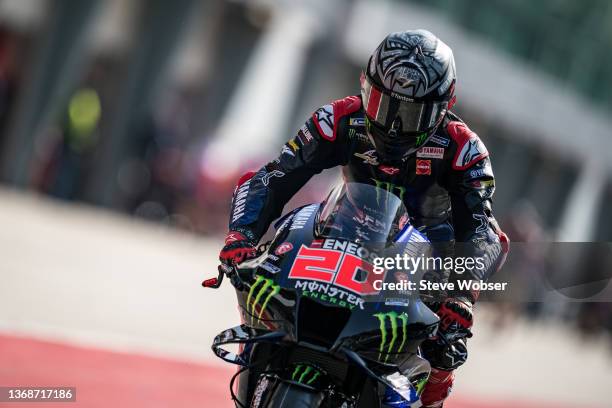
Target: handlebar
{"x":215,"y":283}
{"x":231,"y":272}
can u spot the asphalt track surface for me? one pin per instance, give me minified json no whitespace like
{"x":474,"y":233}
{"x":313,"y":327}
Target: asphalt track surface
{"x":113,"y":306}
{"x":113,"y":379}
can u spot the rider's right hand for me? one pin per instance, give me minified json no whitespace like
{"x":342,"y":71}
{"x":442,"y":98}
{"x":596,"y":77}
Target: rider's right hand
{"x":237,"y":249}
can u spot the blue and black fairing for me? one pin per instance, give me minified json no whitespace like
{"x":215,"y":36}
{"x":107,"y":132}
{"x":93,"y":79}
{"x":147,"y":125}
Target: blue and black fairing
{"x":275,"y":307}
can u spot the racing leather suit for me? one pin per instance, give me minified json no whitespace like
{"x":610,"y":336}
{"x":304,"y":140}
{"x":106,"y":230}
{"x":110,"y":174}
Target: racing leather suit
{"x":447,"y":186}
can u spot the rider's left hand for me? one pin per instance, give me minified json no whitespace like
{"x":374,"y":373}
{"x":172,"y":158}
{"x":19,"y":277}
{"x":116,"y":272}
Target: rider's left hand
{"x":456,"y":318}
{"x":449,"y":350}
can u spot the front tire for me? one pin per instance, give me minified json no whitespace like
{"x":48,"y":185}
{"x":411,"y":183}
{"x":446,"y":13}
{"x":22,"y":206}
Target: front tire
{"x":289,"y":395}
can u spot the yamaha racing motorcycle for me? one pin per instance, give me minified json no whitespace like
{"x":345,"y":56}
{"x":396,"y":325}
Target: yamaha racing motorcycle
{"x":317,"y":330}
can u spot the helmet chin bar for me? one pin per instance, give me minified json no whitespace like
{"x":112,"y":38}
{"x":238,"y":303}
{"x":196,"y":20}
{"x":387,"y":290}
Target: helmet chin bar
{"x":388,"y":148}
{"x":389,"y":152}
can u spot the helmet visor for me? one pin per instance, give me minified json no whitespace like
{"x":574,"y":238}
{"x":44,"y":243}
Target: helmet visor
{"x":383,"y":108}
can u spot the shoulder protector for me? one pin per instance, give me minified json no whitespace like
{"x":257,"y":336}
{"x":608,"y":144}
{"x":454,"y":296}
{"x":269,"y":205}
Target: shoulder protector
{"x":470,"y":148}
{"x":326,"y":118}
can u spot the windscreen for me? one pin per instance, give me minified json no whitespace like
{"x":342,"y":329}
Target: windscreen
{"x":361,"y":213}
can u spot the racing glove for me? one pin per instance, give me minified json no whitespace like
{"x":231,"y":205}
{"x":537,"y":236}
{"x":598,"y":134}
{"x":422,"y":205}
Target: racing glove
{"x":456,"y":317}
{"x":449,"y":350}
{"x":237,"y":249}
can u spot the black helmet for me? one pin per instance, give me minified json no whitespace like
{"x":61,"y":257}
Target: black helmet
{"x":406,"y":90}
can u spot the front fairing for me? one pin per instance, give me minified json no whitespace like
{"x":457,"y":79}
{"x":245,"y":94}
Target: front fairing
{"x":267,"y":298}
{"x":278,"y":294}
{"x":275,"y":297}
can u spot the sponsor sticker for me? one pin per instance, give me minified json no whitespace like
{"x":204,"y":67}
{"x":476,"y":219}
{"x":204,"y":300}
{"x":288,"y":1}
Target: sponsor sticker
{"x":393,"y":336}
{"x":283,"y":248}
{"x":287,"y":150}
{"x":301,"y":218}
{"x":328,"y":293}
{"x":423,"y":167}
{"x":388,"y":169}
{"x":368,"y":157}
{"x":324,"y":120}
{"x":240,"y":201}
{"x":233,"y":237}
{"x":357,"y":121}
{"x":353,"y":134}
{"x":260,"y":293}
{"x":471,"y":152}
{"x":477,"y":173}
{"x":285,"y":222}
{"x":422,"y":138}
{"x":294,"y":145}
{"x":305,"y":132}
{"x":274,"y":173}
{"x":390,"y":187}
{"x":480,"y":172}
{"x":429,"y":152}
{"x":442,"y":141}
{"x":339,"y":263}
{"x":273,"y":269}
{"x":397,"y":302}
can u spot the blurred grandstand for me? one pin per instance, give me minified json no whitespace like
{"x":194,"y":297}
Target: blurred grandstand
{"x":154,"y":108}
{"x":127,"y":104}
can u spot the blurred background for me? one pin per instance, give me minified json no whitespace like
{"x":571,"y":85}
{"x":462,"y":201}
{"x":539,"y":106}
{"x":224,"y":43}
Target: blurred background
{"x":124,"y":125}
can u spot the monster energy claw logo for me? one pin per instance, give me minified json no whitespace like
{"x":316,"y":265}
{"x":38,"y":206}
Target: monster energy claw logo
{"x":305,"y":374}
{"x":421,"y":138}
{"x":388,"y":342}
{"x":257,"y":292}
{"x":391,"y":188}
{"x":420,"y":383}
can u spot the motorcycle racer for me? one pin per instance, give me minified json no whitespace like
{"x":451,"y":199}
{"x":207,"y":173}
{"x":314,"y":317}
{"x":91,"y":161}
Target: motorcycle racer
{"x":400,"y":135}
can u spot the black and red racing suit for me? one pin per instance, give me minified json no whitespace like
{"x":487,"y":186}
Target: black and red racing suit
{"x":447,"y":187}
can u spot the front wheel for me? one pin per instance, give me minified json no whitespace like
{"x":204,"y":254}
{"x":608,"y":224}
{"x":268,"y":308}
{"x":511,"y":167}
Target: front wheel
{"x":278,"y":393}
{"x":294,"y":396}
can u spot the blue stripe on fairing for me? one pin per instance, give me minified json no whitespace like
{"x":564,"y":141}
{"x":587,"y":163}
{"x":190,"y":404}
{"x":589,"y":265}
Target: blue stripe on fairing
{"x":410,"y":234}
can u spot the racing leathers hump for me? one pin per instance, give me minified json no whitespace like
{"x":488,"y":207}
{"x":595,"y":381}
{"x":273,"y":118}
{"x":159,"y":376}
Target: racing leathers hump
{"x":449,"y":181}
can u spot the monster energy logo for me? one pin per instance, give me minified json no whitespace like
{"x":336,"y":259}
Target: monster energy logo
{"x":421,"y":138}
{"x":257,"y":292}
{"x":391,"y":188}
{"x":419,"y":383}
{"x":305,"y":374}
{"x":388,"y":342}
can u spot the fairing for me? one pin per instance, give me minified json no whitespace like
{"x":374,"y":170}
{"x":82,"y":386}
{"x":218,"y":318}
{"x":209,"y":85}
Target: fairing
{"x":312,"y":287}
